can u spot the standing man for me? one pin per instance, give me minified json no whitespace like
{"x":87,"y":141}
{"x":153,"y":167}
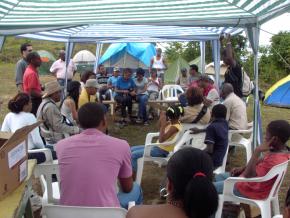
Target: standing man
{"x":158,"y":62}
{"x":31,"y":83}
{"x":102,"y":79}
{"x":58,"y":69}
{"x":233,"y":74}
{"x":91,"y":163}
{"x":21,"y":65}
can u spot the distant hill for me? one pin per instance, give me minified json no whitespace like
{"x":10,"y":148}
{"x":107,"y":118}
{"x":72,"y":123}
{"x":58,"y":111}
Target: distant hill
{"x":11,"y":50}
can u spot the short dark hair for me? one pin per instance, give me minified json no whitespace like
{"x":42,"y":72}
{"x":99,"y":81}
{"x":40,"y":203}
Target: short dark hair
{"x":194,"y":96}
{"x":194,"y":67}
{"x":279,"y":128}
{"x":90,"y":115}
{"x":24,"y":46}
{"x":190,"y":170}
{"x":31,"y":56}
{"x":219,"y":111}
{"x":16,"y":104}
{"x":140,"y":71}
{"x":128,"y":70}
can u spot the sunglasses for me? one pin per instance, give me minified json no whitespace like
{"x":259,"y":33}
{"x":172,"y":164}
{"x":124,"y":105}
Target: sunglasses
{"x":29,"y":50}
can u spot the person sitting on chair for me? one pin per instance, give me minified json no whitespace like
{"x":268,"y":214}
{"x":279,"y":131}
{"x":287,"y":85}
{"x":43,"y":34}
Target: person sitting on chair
{"x":216,"y":137}
{"x":190,"y":192}
{"x":269,"y":154}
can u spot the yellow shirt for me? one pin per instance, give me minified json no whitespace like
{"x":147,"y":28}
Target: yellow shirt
{"x":85,"y":98}
{"x":171,"y":147}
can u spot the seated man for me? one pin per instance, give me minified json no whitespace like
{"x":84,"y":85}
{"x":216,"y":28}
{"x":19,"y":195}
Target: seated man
{"x":183,"y":79}
{"x":216,"y":137}
{"x":274,"y":152}
{"x":102,"y":79}
{"x":54,"y":126}
{"x":210,"y":94}
{"x":236,"y":108}
{"x":91,"y":163}
{"x":88,"y":94}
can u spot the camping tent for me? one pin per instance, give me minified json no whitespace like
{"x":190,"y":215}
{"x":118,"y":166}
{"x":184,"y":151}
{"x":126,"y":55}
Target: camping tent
{"x":47,"y":60}
{"x":173,"y":70}
{"x":279,"y":94}
{"x":132,"y":55}
{"x":210,"y":70}
{"x":84,"y":60}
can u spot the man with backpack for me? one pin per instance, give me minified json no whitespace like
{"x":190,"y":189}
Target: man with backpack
{"x":234,"y":74}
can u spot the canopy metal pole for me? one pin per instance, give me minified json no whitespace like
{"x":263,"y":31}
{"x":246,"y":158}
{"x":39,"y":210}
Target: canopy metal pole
{"x":216,"y":57}
{"x":68,"y":53}
{"x":2,"y":40}
{"x":202,"y":55}
{"x":98,"y":49}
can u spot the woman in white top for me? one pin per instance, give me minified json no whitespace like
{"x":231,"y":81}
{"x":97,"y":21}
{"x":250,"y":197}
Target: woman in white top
{"x":153,"y":87}
{"x":20,"y":116}
{"x":159,"y":63}
{"x":69,"y":106}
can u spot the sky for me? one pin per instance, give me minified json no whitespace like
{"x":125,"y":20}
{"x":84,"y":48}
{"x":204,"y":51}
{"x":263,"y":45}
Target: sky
{"x":281,"y":23}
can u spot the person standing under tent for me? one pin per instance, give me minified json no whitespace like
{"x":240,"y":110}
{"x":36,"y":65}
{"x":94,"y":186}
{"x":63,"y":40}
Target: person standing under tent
{"x":112,"y":81}
{"x":58,"y":69}
{"x":21,"y":65}
{"x":31,"y":83}
{"x":158,"y":62}
{"x":234,"y":73}
{"x":102,"y":78}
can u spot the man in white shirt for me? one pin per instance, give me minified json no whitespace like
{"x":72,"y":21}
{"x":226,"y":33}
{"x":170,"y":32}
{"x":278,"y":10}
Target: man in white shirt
{"x":236,"y":108}
{"x":159,"y":63}
{"x":58,"y":69}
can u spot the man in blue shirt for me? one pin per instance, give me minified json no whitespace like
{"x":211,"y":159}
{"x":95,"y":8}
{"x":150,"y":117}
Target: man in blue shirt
{"x":216,"y":137}
{"x":125,"y":91}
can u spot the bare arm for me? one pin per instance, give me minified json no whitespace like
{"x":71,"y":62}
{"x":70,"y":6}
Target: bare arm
{"x":163,"y":136}
{"x":72,"y":106}
{"x":209,"y":148}
{"x":165,"y":64}
{"x":126,"y":184}
{"x":230,"y":52}
{"x":121,"y":91}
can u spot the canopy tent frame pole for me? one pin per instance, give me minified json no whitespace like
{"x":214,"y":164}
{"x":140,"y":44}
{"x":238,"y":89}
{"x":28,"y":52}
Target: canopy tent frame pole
{"x":98,"y":52}
{"x":68,"y":53}
{"x":202,"y":56}
{"x":216,"y":57}
{"x":253,"y":36}
{"x":2,"y":41}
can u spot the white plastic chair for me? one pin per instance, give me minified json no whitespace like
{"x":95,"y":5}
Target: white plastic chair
{"x":51,"y":191}
{"x":170,"y":92}
{"x":265,"y":204}
{"x":238,"y":138}
{"x":149,"y":144}
{"x":53,"y":211}
{"x":191,"y":140}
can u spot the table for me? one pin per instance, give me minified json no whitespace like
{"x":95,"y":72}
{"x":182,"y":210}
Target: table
{"x":17,"y":203}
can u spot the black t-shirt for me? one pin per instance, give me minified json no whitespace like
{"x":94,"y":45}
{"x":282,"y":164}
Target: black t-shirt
{"x":234,"y":76}
{"x":217,"y":134}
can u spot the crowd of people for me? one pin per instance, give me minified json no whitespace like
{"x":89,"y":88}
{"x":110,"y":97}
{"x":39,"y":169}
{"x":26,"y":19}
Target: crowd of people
{"x":91,"y":162}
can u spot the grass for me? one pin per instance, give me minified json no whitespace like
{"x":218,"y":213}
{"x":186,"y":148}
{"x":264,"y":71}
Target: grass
{"x":135,"y":135}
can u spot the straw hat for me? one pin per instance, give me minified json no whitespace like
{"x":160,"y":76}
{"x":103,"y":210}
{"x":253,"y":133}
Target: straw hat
{"x":50,"y":88}
{"x":92,"y":83}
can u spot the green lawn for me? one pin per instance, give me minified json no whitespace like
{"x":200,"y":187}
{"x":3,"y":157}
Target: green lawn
{"x":136,"y":134}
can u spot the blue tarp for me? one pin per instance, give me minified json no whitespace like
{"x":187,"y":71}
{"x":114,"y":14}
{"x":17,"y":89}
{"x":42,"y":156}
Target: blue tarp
{"x":141,"y":51}
{"x":280,"y":96}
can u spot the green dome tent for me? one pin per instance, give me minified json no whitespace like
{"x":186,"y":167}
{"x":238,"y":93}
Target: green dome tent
{"x":47,"y":60}
{"x":173,"y":70}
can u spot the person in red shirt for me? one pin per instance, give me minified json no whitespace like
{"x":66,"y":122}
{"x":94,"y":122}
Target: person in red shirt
{"x":31,"y":83}
{"x":274,"y":150}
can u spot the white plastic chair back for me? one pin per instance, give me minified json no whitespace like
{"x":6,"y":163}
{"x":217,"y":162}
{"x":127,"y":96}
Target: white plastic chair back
{"x":170,"y":92}
{"x":57,"y":211}
{"x":191,"y":140}
{"x":45,"y":151}
{"x":188,"y":126}
{"x":50,"y":189}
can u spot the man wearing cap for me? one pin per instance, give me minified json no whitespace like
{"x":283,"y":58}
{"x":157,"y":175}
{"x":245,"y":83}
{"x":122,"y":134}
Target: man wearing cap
{"x":31,"y":83}
{"x":58,"y":69}
{"x":88,"y":94}
{"x":158,"y":62}
{"x":183,"y":79}
{"x":112,"y":81}
{"x":54,"y":126}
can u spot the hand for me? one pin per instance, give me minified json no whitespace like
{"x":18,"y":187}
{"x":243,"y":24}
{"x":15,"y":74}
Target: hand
{"x":207,"y":102}
{"x":194,"y":130}
{"x":237,"y":171}
{"x":132,"y":93}
{"x":267,"y":145}
{"x":125,"y":91}
{"x":228,"y":37}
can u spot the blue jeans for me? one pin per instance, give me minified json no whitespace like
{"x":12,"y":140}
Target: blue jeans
{"x":138,"y":151}
{"x":219,"y":184}
{"x":134,"y":195}
{"x":142,"y":112}
{"x":183,"y":100}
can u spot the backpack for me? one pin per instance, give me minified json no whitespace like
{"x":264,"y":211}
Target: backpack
{"x":247,"y":84}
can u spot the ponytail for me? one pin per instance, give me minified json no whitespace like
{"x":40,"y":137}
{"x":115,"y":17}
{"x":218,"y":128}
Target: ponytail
{"x":200,"y":198}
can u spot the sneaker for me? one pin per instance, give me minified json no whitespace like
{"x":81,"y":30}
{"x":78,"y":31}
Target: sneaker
{"x":150,"y":117}
{"x":139,"y":120}
{"x":146,"y":123}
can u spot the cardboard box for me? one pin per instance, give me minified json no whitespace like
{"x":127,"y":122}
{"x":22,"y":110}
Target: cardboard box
{"x":13,"y":159}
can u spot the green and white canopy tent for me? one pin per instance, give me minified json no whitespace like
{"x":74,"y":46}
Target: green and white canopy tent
{"x":32,"y":16}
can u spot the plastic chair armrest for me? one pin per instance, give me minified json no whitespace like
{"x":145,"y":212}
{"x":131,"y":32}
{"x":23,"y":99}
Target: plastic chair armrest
{"x":46,"y":151}
{"x":150,"y":136}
